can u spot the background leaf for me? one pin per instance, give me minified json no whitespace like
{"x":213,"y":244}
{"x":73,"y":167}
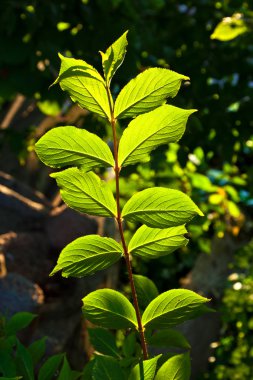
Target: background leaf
{"x":71,"y":146}
{"x":146,"y":290}
{"x":160,"y":207}
{"x":50,"y":367}
{"x":176,"y":368}
{"x":108,"y":308}
{"x":169,"y":338}
{"x":37,"y":350}
{"x":85,"y":192}
{"x":147,"y":91}
{"x":153,"y":243}
{"x":18,"y":322}
{"x":65,"y":373}
{"x":103,"y":341}
{"x":107,"y":368}
{"x":172,"y":308}
{"x":146,"y":132}
{"x":84,"y":85}
{"x":114,"y":56}
{"x":24,"y":362}
{"x":130,"y":345}
{"x":7,"y":364}
{"x":87,"y":255}
{"x":230,"y":28}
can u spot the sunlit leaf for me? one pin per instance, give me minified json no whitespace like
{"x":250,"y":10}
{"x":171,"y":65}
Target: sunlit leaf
{"x":114,"y":56}
{"x":147,"y":91}
{"x":146,"y":132}
{"x":202,"y":182}
{"x":84,"y":85}
{"x":87,"y":255}
{"x":109,"y":308}
{"x":145,"y":370}
{"x":172,"y":308}
{"x":216,"y":199}
{"x":233,"y":209}
{"x":176,"y":368}
{"x":152,"y":243}
{"x":160,"y":207}
{"x":85,"y":192}
{"x":49,"y":107}
{"x":230,"y":28}
{"x":71,"y":146}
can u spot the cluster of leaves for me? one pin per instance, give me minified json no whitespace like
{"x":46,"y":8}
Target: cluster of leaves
{"x":28,"y":363}
{"x":233,"y":354}
{"x":162,"y":211}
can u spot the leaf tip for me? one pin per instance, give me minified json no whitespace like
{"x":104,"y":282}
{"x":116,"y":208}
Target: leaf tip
{"x":56,"y":269}
{"x":200,"y":213}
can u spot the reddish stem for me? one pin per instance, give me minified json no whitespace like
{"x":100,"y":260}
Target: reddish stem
{"x":126,"y":253}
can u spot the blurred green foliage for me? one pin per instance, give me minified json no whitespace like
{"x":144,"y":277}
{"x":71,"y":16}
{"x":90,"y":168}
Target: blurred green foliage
{"x":233,"y":355}
{"x":20,"y":362}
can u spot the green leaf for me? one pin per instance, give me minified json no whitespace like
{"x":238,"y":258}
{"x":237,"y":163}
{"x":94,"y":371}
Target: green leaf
{"x":88,"y":369}
{"x":71,"y":146}
{"x":160,"y":207}
{"x":230,"y":28}
{"x":172,"y":308}
{"x":114,"y":56}
{"x":107,"y":368}
{"x":49,"y":107}
{"x":146,"y":132}
{"x":176,"y":368}
{"x":146,"y":290}
{"x":147,"y":91}
{"x":155,"y":242}
{"x":66,"y":372}
{"x":50,"y":367}
{"x":110,"y":309}
{"x":18,"y":322}
{"x":233,"y":209}
{"x":103,"y":341}
{"x":7,"y":364}
{"x":84,"y":85}
{"x":24,"y":362}
{"x":85,"y":192}
{"x":202,"y":182}
{"x":37,"y":350}
{"x":145,"y":370}
{"x":169,"y":338}
{"x":129,"y":345}
{"x":87,"y":255}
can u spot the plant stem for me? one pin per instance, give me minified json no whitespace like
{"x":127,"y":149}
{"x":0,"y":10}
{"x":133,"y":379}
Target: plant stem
{"x":126,"y":253}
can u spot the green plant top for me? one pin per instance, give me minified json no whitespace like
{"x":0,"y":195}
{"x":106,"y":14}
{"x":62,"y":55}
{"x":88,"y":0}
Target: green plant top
{"x":162,"y":211}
